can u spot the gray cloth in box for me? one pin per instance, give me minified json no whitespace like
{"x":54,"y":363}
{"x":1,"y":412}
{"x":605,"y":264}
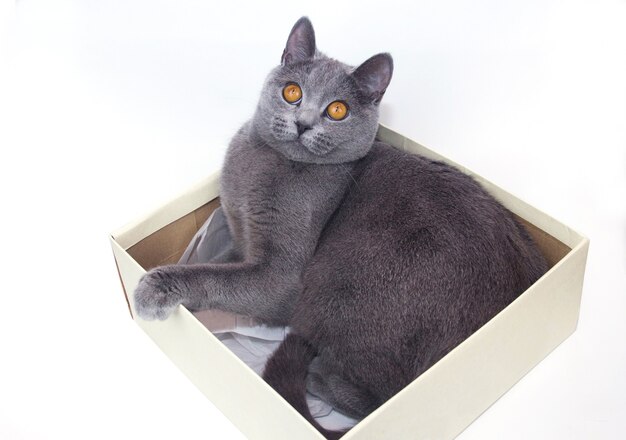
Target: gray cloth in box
{"x":252,"y":342}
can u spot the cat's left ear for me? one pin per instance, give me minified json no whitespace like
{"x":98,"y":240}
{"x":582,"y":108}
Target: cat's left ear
{"x":300,"y":44}
{"x":374,"y":75}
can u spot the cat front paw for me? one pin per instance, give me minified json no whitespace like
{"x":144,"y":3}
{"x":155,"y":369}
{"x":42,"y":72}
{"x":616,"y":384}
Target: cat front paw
{"x":157,"y":294}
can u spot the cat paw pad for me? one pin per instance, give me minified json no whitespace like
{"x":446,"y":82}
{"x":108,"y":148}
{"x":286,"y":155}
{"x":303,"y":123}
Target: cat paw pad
{"x":156,"y":296}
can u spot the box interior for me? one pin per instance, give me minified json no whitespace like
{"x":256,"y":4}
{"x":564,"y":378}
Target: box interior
{"x":167,"y":245}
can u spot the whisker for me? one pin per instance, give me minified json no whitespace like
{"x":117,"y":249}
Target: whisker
{"x":349,"y":174}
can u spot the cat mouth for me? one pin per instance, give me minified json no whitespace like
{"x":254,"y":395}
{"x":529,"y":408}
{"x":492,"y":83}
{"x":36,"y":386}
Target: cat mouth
{"x":317,"y":144}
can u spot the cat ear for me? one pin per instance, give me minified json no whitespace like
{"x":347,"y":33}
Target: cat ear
{"x":373,"y":76}
{"x":300,"y":44}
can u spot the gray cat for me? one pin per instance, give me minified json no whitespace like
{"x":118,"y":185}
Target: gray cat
{"x":380,"y":261}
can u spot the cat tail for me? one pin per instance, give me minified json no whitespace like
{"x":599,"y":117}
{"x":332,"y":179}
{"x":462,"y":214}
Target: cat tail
{"x":286,"y":372}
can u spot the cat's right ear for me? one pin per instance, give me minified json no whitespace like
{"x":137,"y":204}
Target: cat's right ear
{"x":300,"y":44}
{"x":373,"y":76}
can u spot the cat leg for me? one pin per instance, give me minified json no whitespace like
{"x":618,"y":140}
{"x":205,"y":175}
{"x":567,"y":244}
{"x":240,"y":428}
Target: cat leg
{"x":260,"y":290}
{"x":342,"y":395}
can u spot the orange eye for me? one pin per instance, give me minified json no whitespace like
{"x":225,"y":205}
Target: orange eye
{"x":337,"y":110}
{"x":292,"y":93}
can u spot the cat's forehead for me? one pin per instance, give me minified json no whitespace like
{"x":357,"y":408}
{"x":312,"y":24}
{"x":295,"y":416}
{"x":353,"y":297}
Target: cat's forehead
{"x":329,"y":71}
{"x":320,"y":73}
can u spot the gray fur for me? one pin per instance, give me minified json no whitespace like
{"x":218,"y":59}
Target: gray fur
{"x":380,"y":261}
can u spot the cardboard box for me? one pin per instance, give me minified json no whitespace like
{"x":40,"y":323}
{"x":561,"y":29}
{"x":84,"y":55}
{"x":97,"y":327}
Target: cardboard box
{"x":437,"y":405}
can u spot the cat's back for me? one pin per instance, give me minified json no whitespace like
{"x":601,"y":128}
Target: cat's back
{"x":428,"y":205}
{"x":417,"y":252}
{"x":443,"y":213}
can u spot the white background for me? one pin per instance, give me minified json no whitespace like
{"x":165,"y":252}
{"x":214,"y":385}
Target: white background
{"x":107,"y":109}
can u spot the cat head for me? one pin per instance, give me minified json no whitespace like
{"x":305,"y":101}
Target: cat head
{"x":316,"y":109}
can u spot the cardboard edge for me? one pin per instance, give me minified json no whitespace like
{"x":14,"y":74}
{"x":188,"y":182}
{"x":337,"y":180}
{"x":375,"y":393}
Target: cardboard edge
{"x":126,"y":268}
{"x":582,"y":247}
{"x":119,"y":274}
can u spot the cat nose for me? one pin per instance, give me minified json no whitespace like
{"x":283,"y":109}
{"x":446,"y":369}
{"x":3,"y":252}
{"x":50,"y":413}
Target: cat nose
{"x":302,"y":127}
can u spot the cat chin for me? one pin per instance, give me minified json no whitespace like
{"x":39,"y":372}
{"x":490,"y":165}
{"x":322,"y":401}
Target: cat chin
{"x":311,"y":158}
{"x":316,"y":148}
{"x":296,"y":149}
{"x":298,"y":153}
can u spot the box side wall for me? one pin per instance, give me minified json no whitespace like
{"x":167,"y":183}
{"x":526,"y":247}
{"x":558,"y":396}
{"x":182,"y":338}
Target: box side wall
{"x":129,"y":270}
{"x":242,"y":396}
{"x":237,"y":391}
{"x":167,"y":245}
{"x":198,"y":195}
{"x":450,"y":395}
